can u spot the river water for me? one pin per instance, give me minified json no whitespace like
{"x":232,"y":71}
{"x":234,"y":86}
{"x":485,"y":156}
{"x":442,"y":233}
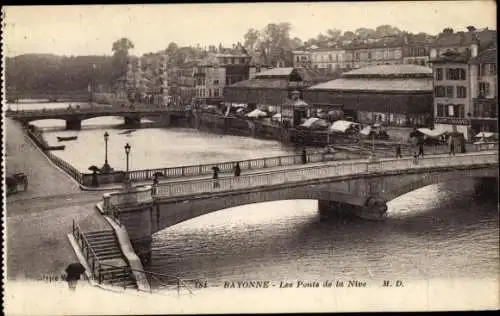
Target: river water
{"x":439,"y":231}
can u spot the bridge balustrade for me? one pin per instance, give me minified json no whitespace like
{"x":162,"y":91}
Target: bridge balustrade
{"x":336,"y":169}
{"x":132,"y":196}
{"x":227,"y":166}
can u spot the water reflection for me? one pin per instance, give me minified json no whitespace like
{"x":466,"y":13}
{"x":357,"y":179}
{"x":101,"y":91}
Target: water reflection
{"x":448,"y":237}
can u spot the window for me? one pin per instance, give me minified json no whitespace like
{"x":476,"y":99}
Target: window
{"x":439,"y":73}
{"x":330,"y":57}
{"x":440,"y":110}
{"x":488,"y":70}
{"x":216,"y":82}
{"x":485,"y":110}
{"x":357,"y":56}
{"x":462,"y":74}
{"x":484,"y":89}
{"x":242,"y":60}
{"x":455,"y":74}
{"x":461,"y":92}
{"x":337,"y":58}
{"x":449,"y":91}
{"x":439,"y":91}
{"x":369,"y":55}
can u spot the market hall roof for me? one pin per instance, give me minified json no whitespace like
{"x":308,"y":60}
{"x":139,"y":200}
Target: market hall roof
{"x":376,"y":85}
{"x":383,"y":78}
{"x":393,"y":71}
{"x":260,"y":83}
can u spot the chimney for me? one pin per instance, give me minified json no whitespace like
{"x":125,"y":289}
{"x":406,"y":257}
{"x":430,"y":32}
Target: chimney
{"x":474,"y":46}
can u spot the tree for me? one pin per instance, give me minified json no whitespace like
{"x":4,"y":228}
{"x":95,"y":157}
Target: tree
{"x":447,"y":31}
{"x":171,"y":49}
{"x":120,"y":50}
{"x":276,"y":36}
{"x":321,"y":38}
{"x":386,"y":30}
{"x":364,"y":33}
{"x":348,"y":35}
{"x":471,"y":28}
{"x":295,"y":43}
{"x":251,"y":38}
{"x":334,"y":34}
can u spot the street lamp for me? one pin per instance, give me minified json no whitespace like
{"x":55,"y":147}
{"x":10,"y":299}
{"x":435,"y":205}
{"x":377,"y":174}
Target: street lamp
{"x":127,"y":152}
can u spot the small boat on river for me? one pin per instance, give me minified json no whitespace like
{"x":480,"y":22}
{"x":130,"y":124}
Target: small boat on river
{"x":56,"y":147}
{"x":62,"y":138}
{"x":127,"y":132}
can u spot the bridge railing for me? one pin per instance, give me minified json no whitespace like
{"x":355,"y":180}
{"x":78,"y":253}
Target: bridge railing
{"x":87,"y":110}
{"x":227,"y":166}
{"x":183,"y":188}
{"x":67,"y":167}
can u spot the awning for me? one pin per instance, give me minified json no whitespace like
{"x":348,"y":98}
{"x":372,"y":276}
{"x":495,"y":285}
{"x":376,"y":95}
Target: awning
{"x":430,"y":132}
{"x":485,"y":135}
{"x":366,"y":131}
{"x":341,"y":126}
{"x":257,"y":113}
{"x":314,"y":121}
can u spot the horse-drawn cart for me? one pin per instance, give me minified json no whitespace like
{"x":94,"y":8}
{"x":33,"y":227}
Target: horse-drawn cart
{"x":16,"y":183}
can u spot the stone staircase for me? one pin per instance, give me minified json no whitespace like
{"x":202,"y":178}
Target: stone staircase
{"x":114,"y":268}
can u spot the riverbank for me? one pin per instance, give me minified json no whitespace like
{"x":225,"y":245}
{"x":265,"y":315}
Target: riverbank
{"x":39,"y":219}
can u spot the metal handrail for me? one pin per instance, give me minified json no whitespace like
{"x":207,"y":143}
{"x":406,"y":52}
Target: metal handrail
{"x":82,"y":239}
{"x":150,"y":274}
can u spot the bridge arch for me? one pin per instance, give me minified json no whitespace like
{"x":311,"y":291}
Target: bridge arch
{"x":363,"y":193}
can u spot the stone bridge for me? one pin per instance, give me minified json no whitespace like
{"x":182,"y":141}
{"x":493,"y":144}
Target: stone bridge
{"x":359,"y":187}
{"x":75,"y":116}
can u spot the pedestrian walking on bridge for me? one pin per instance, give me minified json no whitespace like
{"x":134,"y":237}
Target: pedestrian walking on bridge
{"x":304,"y":156}
{"x":398,"y":151}
{"x":421,"y":149}
{"x":215,"y":176}
{"x":237,"y":170}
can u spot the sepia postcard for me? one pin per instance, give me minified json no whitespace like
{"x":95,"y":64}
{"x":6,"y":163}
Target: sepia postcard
{"x":250,"y":158}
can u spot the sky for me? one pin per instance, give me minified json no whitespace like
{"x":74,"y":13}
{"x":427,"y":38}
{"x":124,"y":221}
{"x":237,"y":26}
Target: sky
{"x":91,"y":29}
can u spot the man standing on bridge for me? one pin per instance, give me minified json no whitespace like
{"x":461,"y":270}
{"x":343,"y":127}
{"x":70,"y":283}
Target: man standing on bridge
{"x":237,"y":170}
{"x":216,"y":176}
{"x":398,"y":151}
{"x":304,"y":156}
{"x":421,"y":148}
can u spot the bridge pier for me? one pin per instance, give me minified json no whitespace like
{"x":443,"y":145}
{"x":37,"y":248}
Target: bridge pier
{"x":74,"y":124}
{"x":486,"y":187}
{"x":132,"y":120}
{"x":374,"y":209}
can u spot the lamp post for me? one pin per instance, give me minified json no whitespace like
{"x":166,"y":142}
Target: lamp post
{"x":106,"y":168}
{"x":127,"y":152}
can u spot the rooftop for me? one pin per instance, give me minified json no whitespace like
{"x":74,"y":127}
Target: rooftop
{"x":405,"y":70}
{"x":485,"y":37}
{"x":257,"y":83}
{"x":488,"y":56}
{"x":376,"y":85}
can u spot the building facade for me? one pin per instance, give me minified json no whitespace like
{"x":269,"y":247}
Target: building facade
{"x":484,"y":92}
{"x":394,"y":95}
{"x":462,"y":94}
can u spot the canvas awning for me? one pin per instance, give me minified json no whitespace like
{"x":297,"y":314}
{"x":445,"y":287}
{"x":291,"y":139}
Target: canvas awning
{"x":366,"y":131}
{"x":314,"y":121}
{"x":431,"y":133}
{"x":485,"y":135}
{"x":341,"y":126}
{"x":257,"y":113}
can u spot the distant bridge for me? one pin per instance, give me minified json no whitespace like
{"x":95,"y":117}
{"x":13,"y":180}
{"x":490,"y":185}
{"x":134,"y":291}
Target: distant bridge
{"x":51,"y":96}
{"x":75,"y":116}
{"x":362,"y":187}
